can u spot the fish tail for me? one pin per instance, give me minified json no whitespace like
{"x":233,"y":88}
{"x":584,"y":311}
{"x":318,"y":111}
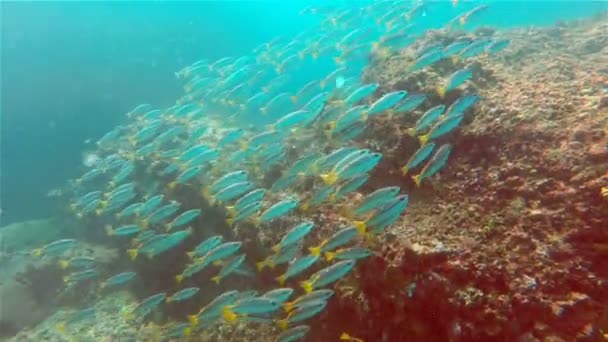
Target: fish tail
{"x":281,"y":279}
{"x":193,"y":319}
{"x":179,"y":278}
{"x":316,"y":251}
{"x":191,"y":255}
{"x":230,"y":221}
{"x":441,"y":90}
{"x":329,"y":178}
{"x":322,"y":84}
{"x":283,"y":324}
{"x":109,"y":230}
{"x":307,"y":286}
{"x":37,"y":252}
{"x":276,"y":248}
{"x":345,"y":337}
{"x":60,"y":327}
{"x":315,"y":55}
{"x":132,"y":253}
{"x":216,"y":279}
{"x":417,"y":180}
{"x":454,"y":59}
{"x":405,"y":170}
{"x":260,"y":265}
{"x":361,"y":227}
{"x":463,"y":20}
{"x":294,"y":99}
{"x":63,"y":264}
{"x":423,"y":139}
{"x":188,"y":332}
{"x":408,"y":17}
{"x":229,"y":316}
{"x":411,"y":131}
{"x":169,"y":300}
{"x":329,"y":256}
{"x":288,"y":306}
{"x":172,"y":185}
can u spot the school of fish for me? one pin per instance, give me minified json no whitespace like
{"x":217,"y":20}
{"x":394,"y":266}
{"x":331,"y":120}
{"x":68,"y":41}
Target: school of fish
{"x":244,"y":142}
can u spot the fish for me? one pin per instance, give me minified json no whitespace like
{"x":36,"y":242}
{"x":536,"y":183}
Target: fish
{"x":55,"y":248}
{"x":249,"y":306}
{"x":353,"y":253}
{"x":294,"y":235}
{"x":418,"y":157}
{"x":205,"y":246}
{"x":346,"y":120}
{"x":161,"y":214}
{"x":77,"y":262}
{"x":77,"y":277}
{"x":387,"y":101}
{"x":150,"y":205}
{"x":222,"y":251}
{"x":291,"y":120}
{"x":426,"y":60}
{"x":229,"y":268}
{"x":386,"y":216}
{"x":284,"y":256}
{"x":130,"y":210}
{"x":250,"y":197}
{"x":344,"y":336}
{"x":349,"y":186}
{"x":442,"y":127}
{"x":278,"y":209}
{"x":232,"y":192}
{"x":361,"y":93}
{"x":455,"y":48}
{"x":177,"y":330}
{"x":183,"y":294}
{"x":183,"y":219}
{"x":297,"y":266}
{"x":428,"y":118}
{"x":455,"y":80}
{"x":228,"y":179}
{"x":118,"y":279}
{"x":214,"y":308}
{"x":245,"y":213}
{"x":433,"y":166}
{"x":293,"y":334}
{"x":338,"y":239}
{"x":307,"y":92}
{"x":127,"y":230}
{"x":361,"y":165}
{"x":461,"y":105}
{"x":277,"y":103}
{"x":185,"y":176}
{"x":328,"y":275}
{"x":375,"y":200}
{"x":497,"y":46}
{"x":302,"y":313}
{"x":314,"y":296}
{"x":230,"y":137}
{"x":281,"y":294}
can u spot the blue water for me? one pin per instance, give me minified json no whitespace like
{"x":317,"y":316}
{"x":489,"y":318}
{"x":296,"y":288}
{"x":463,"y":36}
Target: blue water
{"x":70,"y":70}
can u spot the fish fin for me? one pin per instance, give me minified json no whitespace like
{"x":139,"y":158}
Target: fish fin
{"x":188,"y":332}
{"x":288,"y":306}
{"x":230,"y":221}
{"x":191,"y":255}
{"x":168,"y":227}
{"x":271,"y":264}
{"x":37,"y":252}
{"x":60,"y":328}
{"x":307,"y":286}
{"x":375,"y":45}
{"x":281,"y":279}
{"x":411,"y":132}
{"x":283,"y":323}
{"x":172,"y":185}
{"x":329,"y":178}
{"x":304,"y":206}
{"x":316,"y":251}
{"x":179,"y":278}
{"x":338,"y":60}
{"x":216,"y":279}
{"x":63,"y":264}
{"x":454,"y":59}
{"x":423,"y":139}
{"x":345,"y":337}
{"x":322,"y":84}
{"x":193,"y":319}
{"x":315,"y":54}
{"x":417,"y":180}
{"x":361,"y":227}
{"x":364,"y":115}
{"x":276,"y":248}
{"x":132,"y":253}
{"x":231,"y":210}
{"x":329,"y":256}
{"x":463,"y":20}
{"x":294,"y":99}
{"x":169,"y":300}
{"x":405,"y":170}
{"x":408,"y":17}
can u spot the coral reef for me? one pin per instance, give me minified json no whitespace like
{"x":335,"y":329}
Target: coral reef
{"x":508,"y":244}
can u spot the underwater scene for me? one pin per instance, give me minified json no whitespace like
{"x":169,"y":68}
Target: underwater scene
{"x":304,"y":171}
